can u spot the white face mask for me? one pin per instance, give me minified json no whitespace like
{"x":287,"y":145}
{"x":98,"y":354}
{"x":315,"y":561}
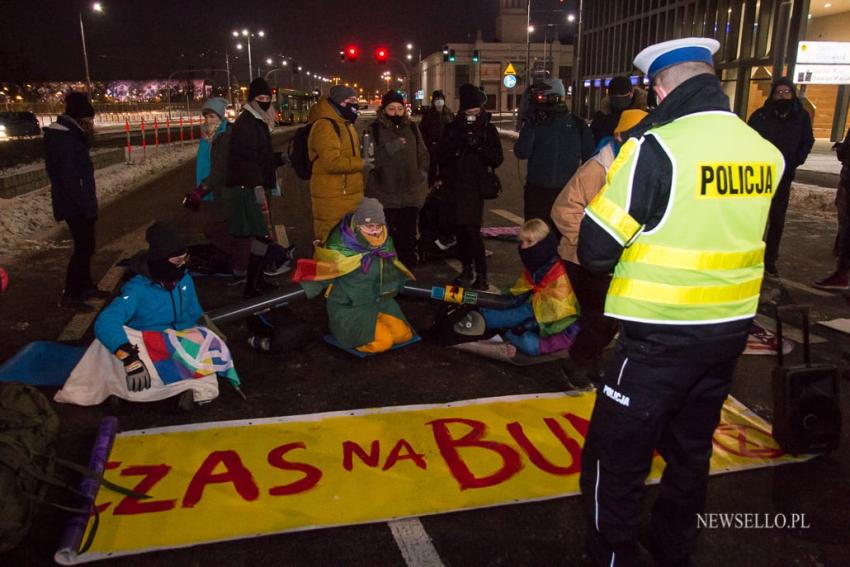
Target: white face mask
{"x":439,"y":104}
{"x":470,"y":118}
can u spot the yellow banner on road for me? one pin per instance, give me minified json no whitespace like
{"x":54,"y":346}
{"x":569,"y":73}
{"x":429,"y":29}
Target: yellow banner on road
{"x":229,"y":480}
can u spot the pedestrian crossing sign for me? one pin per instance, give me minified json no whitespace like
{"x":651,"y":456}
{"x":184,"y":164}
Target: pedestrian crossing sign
{"x":510,"y":69}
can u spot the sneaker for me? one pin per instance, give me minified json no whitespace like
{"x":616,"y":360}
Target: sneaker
{"x":838,"y":280}
{"x":762,"y":341}
{"x":480,"y":284}
{"x":771,"y":272}
{"x":77,"y":304}
{"x":466,"y":277}
{"x":272,"y":271}
{"x":236,"y":279}
{"x":579,"y":377}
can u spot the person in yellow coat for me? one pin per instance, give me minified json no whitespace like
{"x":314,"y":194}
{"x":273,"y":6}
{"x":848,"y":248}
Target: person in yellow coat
{"x":336,"y":186}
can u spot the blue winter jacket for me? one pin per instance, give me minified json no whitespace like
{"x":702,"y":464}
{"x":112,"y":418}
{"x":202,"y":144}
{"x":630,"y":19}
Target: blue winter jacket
{"x":147,"y":306}
{"x":69,"y":167}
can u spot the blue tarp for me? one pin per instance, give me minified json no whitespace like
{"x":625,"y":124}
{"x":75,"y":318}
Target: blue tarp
{"x":42,"y":363}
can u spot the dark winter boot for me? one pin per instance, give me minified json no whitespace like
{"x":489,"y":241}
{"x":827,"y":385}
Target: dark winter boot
{"x":255,"y":282}
{"x":480,"y":283}
{"x":465,"y":278}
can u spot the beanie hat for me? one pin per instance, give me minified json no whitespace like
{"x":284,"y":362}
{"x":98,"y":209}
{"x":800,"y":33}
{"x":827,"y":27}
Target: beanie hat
{"x":258,"y":87}
{"x":629,"y":119}
{"x":163,"y":241}
{"x":619,"y":86}
{"x":77,"y":106}
{"x":471,"y":97}
{"x":369,"y":211}
{"x":783,"y":81}
{"x":390,"y":97}
{"x":339,"y":93}
{"x":215,"y":104}
{"x":438,"y":94}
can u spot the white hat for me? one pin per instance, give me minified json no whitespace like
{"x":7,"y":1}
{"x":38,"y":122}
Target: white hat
{"x":668,"y":53}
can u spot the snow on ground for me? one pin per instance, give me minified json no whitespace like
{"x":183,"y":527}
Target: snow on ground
{"x":26,"y":222}
{"x":813,"y":200}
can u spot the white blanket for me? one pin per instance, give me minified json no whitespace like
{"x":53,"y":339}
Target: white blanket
{"x":99,"y":374}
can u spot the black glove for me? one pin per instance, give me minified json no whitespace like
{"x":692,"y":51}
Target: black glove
{"x":138,"y":377}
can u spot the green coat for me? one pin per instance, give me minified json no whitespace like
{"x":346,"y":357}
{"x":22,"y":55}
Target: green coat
{"x":356,"y":299}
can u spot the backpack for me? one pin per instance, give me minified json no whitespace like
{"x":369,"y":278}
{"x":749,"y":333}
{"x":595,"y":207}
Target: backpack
{"x":299,"y":154}
{"x":28,"y":431}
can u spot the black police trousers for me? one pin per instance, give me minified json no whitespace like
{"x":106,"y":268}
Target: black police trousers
{"x":640,"y":408}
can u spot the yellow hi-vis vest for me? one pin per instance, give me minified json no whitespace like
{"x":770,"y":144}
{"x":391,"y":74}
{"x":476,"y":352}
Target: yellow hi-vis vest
{"x":704,"y":261}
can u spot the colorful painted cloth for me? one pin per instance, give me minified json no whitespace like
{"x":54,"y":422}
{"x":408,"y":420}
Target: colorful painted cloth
{"x":552,"y":299}
{"x":190,"y":354}
{"x":343,"y":253}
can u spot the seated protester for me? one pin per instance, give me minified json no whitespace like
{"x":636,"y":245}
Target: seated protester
{"x":358,"y":268}
{"x":543,"y":322}
{"x":149,"y":345}
{"x":596,"y":330}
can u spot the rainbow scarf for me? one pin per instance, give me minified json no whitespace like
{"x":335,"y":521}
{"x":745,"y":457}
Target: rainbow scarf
{"x":552,"y":298}
{"x":190,"y":354}
{"x":343,"y":253}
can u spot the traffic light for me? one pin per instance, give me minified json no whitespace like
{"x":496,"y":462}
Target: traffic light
{"x":342,"y":55}
{"x":476,"y":56}
{"x":452,"y":57}
{"x":351,"y":53}
{"x":445,"y":54}
{"x":382,"y":54}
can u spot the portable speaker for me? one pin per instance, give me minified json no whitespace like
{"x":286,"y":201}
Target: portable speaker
{"x":806,"y":412}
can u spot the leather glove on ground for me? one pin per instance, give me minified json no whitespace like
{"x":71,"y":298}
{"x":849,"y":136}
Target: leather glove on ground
{"x":137,"y":375}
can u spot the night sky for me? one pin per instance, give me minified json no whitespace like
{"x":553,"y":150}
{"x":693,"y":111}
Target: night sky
{"x":147,"y":39}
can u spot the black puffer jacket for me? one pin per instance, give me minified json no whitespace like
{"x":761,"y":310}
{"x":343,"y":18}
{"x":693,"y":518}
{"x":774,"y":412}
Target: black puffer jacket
{"x":69,"y":167}
{"x":433,"y":124}
{"x":466,"y":151}
{"x":790,"y":131}
{"x":253,"y":162}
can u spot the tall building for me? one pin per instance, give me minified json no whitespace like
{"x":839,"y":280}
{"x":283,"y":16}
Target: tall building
{"x":544,"y":51}
{"x":758,"y":41}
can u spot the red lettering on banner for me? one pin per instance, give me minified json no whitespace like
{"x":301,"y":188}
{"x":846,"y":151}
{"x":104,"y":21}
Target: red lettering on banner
{"x":152,"y":475}
{"x":311,"y":473}
{"x":396,"y":455}
{"x":371,"y":458}
{"x":746,"y":441}
{"x":101,"y":508}
{"x":235,"y":473}
{"x":579,"y":423}
{"x":511,"y":463}
{"x":537,"y":458}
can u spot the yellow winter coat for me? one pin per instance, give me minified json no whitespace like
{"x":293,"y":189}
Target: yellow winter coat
{"x":336,"y":186}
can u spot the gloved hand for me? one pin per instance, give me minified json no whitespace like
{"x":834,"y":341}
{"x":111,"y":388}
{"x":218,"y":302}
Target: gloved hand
{"x":368,"y":164}
{"x":192,"y":200}
{"x":395,"y":146}
{"x":137,"y":375}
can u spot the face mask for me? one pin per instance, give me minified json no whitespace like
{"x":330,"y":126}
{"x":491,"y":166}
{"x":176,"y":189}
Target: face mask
{"x":538,"y":255}
{"x":439,"y":104}
{"x":165,"y":272}
{"x":471,"y":118}
{"x":783,"y":105}
{"x":350,"y":112}
{"x":396,"y":119}
{"x":264,"y":105}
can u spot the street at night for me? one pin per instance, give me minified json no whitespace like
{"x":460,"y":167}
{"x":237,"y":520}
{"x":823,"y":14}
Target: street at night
{"x":357,"y":382}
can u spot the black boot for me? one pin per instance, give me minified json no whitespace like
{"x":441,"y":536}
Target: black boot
{"x":465,"y":278}
{"x":255,"y":282}
{"x":481,"y":283}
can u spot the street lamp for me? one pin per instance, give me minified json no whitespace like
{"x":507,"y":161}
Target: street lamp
{"x":247,"y":34}
{"x":571,"y":18}
{"x":96,"y":7}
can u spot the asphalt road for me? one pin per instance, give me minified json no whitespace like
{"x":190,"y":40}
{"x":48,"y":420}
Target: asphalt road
{"x":320,"y":378}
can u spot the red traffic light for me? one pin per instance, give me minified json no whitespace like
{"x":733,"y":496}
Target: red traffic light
{"x":351,"y":53}
{"x":382,"y":54}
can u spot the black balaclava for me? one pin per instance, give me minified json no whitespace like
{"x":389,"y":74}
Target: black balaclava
{"x":164,"y":243}
{"x":783,"y":106}
{"x":539,"y":255}
{"x":258,"y":87}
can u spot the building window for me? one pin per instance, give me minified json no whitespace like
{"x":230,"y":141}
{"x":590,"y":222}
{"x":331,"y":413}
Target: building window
{"x":461,"y":75}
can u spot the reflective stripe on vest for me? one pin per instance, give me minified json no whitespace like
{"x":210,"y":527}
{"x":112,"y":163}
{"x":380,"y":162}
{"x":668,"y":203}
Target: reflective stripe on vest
{"x":703,"y":262}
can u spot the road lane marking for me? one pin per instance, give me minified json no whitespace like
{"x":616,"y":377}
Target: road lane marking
{"x":509,"y":216}
{"x":415,"y":545}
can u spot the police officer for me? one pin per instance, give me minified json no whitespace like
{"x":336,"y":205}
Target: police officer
{"x":680,"y":223}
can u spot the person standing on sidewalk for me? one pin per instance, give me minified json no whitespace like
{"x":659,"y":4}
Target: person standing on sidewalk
{"x":399,"y":180}
{"x":251,"y":175}
{"x":584,"y":366}
{"x":687,"y":259}
{"x":74,"y":196}
{"x":784,"y":123}
{"x":555,"y":142}
{"x":621,"y":96}
{"x":434,"y":122}
{"x":840,"y":279}
{"x":469,"y":150}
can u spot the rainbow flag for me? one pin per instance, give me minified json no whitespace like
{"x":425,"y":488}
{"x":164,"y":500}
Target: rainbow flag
{"x":552,"y":299}
{"x":190,"y":354}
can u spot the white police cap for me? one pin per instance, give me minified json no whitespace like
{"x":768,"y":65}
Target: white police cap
{"x":668,"y":53}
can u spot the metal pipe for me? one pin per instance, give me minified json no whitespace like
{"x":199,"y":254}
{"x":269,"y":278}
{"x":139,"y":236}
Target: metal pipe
{"x":258,"y":305}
